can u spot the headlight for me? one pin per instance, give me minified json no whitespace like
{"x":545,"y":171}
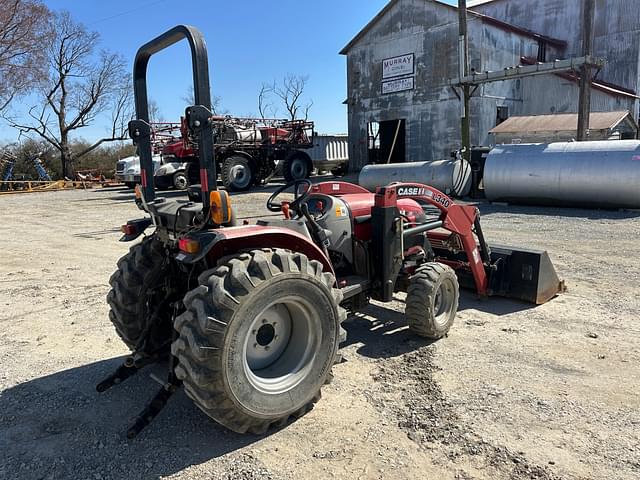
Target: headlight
{"x":131,"y":170}
{"x":161,"y":170}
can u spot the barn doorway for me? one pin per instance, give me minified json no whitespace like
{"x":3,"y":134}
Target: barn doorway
{"x":386,"y":141}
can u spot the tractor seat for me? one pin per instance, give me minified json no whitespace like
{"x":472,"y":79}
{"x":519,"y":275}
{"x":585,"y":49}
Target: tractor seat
{"x":179,"y":214}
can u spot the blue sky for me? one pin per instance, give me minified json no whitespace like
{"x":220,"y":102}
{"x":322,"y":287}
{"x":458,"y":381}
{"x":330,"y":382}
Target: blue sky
{"x":249,"y":42}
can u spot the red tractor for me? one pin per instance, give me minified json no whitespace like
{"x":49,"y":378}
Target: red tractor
{"x":251,"y":316}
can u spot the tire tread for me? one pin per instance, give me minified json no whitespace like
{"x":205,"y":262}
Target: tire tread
{"x":202,"y":327}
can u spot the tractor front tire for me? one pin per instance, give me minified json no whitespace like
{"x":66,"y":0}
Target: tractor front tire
{"x":432,"y":300}
{"x":136,"y":299}
{"x":258,"y":338}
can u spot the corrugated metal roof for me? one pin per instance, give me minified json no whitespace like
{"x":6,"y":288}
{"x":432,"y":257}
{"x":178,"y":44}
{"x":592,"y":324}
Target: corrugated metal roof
{"x":559,"y":122}
{"x":485,"y":18}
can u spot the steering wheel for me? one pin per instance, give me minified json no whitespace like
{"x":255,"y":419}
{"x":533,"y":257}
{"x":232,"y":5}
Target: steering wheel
{"x":272,"y":206}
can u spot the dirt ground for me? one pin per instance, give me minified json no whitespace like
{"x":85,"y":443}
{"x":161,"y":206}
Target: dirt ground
{"x":550,"y":392}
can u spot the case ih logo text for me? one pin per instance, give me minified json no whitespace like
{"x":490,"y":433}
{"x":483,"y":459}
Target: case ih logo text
{"x":411,"y":191}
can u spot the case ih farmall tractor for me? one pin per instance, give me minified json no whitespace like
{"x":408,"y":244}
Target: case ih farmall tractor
{"x":250,"y":317}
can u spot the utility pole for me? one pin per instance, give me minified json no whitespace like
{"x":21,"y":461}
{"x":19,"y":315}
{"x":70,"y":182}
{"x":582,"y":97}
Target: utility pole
{"x":463,"y":71}
{"x":584,"y":104}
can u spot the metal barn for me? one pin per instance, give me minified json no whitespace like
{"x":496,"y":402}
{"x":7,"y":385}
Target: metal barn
{"x":401,"y":107}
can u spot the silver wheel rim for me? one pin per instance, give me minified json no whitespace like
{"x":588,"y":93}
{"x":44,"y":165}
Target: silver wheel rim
{"x":443,"y":302}
{"x":298,"y":169}
{"x":180,"y":182}
{"x":281,"y":344}
{"x":240,"y":175}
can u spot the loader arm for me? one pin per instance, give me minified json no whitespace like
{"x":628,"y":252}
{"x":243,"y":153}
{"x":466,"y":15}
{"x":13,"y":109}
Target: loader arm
{"x":458,"y":219}
{"x":520,"y":273}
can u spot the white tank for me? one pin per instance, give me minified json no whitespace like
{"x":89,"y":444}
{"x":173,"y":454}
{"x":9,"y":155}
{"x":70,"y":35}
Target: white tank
{"x":247,"y":134}
{"x":591,"y":174}
{"x":452,"y":177}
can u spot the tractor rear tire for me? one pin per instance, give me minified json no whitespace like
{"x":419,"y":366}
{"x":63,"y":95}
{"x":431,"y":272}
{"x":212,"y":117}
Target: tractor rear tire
{"x":136,"y":299}
{"x":296,"y":167}
{"x":432,"y":300}
{"x":237,"y":173}
{"x":258,"y":338}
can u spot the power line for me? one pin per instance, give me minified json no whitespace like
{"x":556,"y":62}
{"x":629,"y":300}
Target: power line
{"x":146,"y":5}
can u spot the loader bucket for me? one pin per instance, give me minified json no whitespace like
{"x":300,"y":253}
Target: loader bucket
{"x":524,"y":274}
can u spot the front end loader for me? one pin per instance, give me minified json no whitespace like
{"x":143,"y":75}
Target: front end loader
{"x":250,"y":316}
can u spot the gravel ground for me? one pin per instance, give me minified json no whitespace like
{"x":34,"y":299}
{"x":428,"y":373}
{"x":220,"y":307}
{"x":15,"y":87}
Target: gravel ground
{"x":513,"y":392}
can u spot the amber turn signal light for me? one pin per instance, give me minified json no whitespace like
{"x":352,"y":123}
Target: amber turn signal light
{"x":220,"y":203}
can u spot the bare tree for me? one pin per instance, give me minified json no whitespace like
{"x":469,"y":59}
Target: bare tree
{"x":81,"y":85}
{"x":155,"y":116}
{"x":24,"y":32}
{"x":265,"y":106}
{"x":291,"y":93}
{"x":189,"y":98}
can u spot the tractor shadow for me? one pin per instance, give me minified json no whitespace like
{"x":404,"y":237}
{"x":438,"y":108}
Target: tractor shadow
{"x":382,"y":330}
{"x":58,"y":426}
{"x":494,"y":305}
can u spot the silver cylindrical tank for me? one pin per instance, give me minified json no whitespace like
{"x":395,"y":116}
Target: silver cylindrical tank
{"x":452,"y":177}
{"x":591,"y":174}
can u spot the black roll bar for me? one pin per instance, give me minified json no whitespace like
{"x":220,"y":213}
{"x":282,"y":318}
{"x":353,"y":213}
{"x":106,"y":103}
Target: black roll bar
{"x":140,"y":130}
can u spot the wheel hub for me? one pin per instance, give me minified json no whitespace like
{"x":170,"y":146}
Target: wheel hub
{"x":180,"y":182}
{"x":266,"y":334}
{"x":298,"y":169}
{"x":240,"y":175}
{"x":280,"y":345}
{"x":268,"y":337}
{"x":443,"y":302}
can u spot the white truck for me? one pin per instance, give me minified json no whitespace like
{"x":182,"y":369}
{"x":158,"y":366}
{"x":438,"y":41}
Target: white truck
{"x":166,"y":174}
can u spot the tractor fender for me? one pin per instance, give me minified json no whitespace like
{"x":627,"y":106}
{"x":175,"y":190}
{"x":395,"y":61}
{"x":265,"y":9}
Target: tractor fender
{"x":218,"y":243}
